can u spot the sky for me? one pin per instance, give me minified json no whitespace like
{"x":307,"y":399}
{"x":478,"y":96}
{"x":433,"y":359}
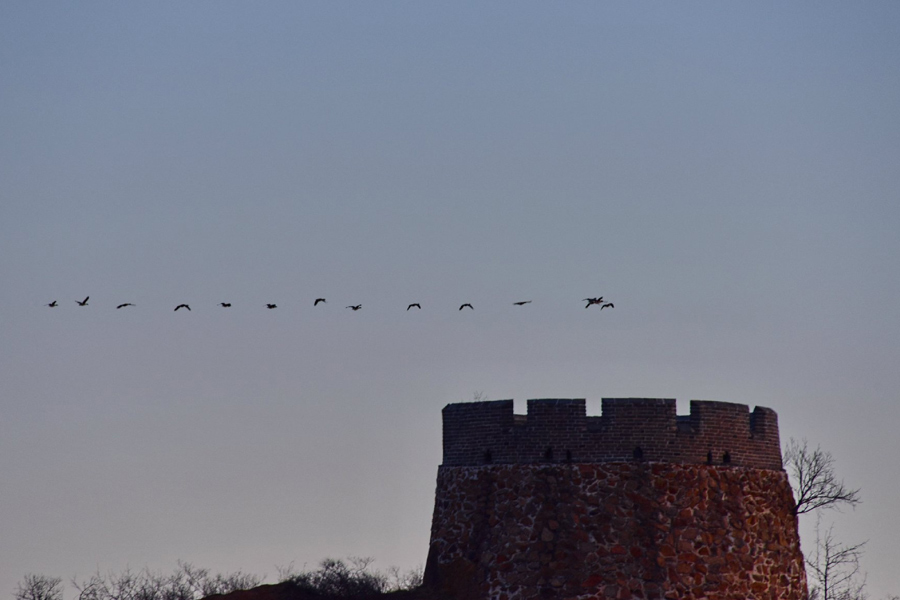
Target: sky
{"x":724,"y":173}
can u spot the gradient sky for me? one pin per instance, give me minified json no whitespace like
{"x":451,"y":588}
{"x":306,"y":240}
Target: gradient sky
{"x":726,"y":174}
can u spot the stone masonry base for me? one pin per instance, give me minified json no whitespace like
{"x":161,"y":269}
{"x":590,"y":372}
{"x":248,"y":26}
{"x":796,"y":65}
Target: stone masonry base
{"x":615,"y":530}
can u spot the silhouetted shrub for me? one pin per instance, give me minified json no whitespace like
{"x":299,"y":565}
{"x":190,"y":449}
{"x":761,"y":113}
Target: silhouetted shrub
{"x":186,"y":583}
{"x":339,"y":579}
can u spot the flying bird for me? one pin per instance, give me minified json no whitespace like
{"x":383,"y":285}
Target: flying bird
{"x":183,"y":306}
{"x":124,"y":305}
{"x":82,"y":303}
{"x":416,"y":304}
{"x":465,"y":305}
{"x":225,"y":304}
{"x":355,"y":307}
{"x":593,"y":301}
{"x":316,"y":303}
{"x":608,"y":304}
{"x":271,"y":306}
{"x":522,"y":303}
{"x":52,"y":304}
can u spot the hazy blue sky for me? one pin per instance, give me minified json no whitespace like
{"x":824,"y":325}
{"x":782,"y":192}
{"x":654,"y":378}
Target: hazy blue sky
{"x":726,"y":174}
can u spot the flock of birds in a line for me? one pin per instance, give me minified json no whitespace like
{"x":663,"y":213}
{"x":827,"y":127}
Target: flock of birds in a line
{"x":354,"y":307}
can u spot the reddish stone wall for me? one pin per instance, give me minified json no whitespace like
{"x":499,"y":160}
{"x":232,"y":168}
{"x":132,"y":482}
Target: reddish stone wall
{"x":615,"y":530}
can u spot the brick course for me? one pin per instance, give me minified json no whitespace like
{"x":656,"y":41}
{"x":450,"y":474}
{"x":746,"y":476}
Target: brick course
{"x":558,"y":430}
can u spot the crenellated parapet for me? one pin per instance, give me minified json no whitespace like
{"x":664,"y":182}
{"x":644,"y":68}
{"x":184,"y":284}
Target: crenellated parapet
{"x":629,"y":429}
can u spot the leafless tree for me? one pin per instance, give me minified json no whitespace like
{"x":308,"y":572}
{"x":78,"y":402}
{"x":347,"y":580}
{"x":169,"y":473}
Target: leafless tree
{"x":404,"y":580}
{"x":813,"y":478}
{"x":342,"y":579}
{"x":835,"y":568}
{"x":39,"y":587}
{"x":350,"y":578}
{"x":186,"y":583}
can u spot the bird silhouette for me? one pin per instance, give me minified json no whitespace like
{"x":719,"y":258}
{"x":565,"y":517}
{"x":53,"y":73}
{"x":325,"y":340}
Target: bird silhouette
{"x":225,"y":304}
{"x":316,"y":303}
{"x":83,"y":302}
{"x":593,"y":301}
{"x":522,"y":303}
{"x":52,"y":304}
{"x":416,"y":304}
{"x":271,"y":306}
{"x":124,"y":305}
{"x":608,"y":304}
{"x":355,"y":307}
{"x":183,"y":306}
{"x":465,"y":305}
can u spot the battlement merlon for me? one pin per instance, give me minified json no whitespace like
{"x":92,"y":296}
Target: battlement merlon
{"x":629,"y":429}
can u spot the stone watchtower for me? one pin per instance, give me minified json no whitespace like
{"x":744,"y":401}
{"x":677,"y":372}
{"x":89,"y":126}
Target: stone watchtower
{"x":636,"y":503}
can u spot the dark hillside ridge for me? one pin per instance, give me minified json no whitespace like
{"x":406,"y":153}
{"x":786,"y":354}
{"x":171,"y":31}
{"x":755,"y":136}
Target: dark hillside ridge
{"x":288,"y":591}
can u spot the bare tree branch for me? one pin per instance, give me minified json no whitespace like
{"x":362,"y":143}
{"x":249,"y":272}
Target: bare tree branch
{"x":813,"y":478}
{"x":39,"y":587}
{"x":94,"y":588}
{"x":186,"y":583}
{"x":835,"y":568}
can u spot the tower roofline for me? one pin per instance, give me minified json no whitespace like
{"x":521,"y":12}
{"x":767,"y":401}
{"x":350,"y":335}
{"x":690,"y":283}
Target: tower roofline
{"x":558,"y":430}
